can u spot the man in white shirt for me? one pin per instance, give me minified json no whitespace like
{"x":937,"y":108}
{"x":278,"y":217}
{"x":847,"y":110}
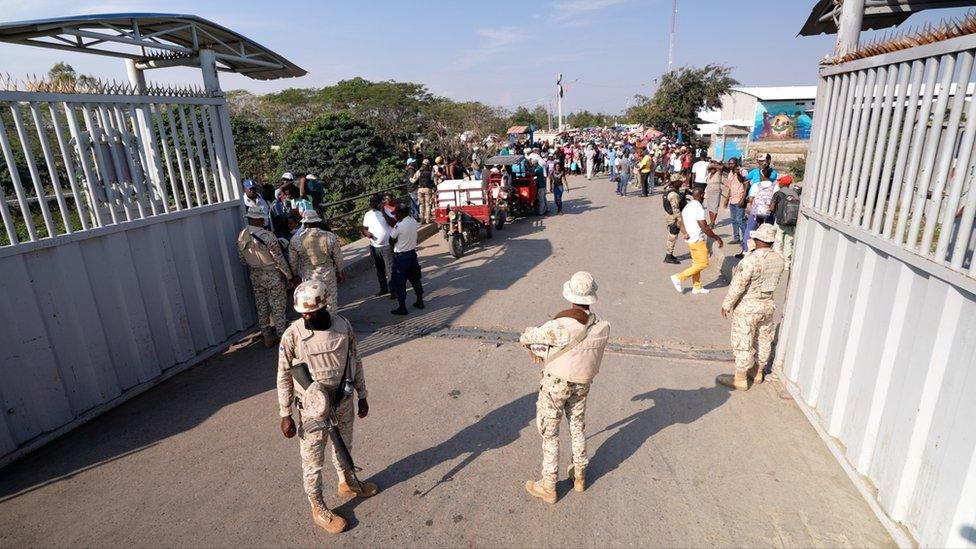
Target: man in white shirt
{"x":377,"y":229}
{"x":700,"y":171}
{"x":405,"y":264}
{"x":590,"y":155}
{"x":695,"y":229}
{"x":253,"y":198}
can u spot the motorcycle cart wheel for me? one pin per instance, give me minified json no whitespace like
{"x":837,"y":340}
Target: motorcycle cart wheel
{"x":457,"y":245}
{"x":500,"y":220}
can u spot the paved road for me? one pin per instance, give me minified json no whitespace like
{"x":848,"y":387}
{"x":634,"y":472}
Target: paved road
{"x":674,"y":460}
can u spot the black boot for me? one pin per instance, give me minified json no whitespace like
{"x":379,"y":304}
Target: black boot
{"x":671,"y":259}
{"x":401,"y":310}
{"x":419,"y":304}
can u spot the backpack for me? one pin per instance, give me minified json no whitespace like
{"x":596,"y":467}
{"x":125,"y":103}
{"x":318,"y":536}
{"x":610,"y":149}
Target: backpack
{"x":682,"y":200}
{"x":788,"y":209}
{"x":762,"y":203}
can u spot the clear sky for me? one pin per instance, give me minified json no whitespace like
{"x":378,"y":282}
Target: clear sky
{"x":501,"y":52}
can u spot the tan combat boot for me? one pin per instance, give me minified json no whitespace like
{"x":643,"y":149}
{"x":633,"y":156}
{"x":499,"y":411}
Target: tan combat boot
{"x":739,"y":381}
{"x":546,"y":491}
{"x":348,"y":487}
{"x":579,"y":478}
{"x":325,"y":519}
{"x":756,"y":373}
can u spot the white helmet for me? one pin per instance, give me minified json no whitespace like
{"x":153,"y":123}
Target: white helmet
{"x":310,"y":296}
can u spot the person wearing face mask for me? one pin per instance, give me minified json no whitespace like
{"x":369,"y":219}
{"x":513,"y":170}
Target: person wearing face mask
{"x":326,"y":343}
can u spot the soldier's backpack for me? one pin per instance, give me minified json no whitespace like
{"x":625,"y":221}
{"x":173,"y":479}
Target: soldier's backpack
{"x":762,"y":202}
{"x":788,"y":209}
{"x":682,"y":200}
{"x":255,"y":251}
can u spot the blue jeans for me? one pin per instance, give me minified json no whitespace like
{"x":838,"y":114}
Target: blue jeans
{"x":738,"y":215}
{"x":622,"y":185}
{"x":557,"y":196}
{"x":541,"y":192}
{"x":414,"y":205}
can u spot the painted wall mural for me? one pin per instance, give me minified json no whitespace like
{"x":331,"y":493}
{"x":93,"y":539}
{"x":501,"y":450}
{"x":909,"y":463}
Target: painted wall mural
{"x":782,"y":120}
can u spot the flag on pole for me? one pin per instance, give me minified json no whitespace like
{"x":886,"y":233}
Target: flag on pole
{"x":559,"y":85}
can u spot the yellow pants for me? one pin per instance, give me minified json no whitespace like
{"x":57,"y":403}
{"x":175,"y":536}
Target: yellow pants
{"x":699,"y":261}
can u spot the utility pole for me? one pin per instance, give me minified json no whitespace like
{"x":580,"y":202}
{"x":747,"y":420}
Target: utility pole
{"x":549,"y":114}
{"x":674,"y":30}
{"x":559,"y":98}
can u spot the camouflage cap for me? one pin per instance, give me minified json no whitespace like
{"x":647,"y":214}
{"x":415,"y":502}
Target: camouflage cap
{"x":254,"y":212}
{"x":310,"y":296}
{"x":764,"y":232}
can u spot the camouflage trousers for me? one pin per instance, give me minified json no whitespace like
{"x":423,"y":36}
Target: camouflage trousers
{"x":752,"y":327}
{"x":673,"y":230}
{"x":312,"y":448}
{"x":555,"y":398}
{"x":327,"y":275}
{"x":426,"y":197}
{"x":270,"y":298}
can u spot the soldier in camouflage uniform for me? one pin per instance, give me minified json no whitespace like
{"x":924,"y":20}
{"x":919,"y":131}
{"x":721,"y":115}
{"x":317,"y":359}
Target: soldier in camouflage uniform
{"x":259,"y":250}
{"x":673,"y":219}
{"x":750,"y":300}
{"x":571,"y":347}
{"x":317,"y":254}
{"x":326,"y":343}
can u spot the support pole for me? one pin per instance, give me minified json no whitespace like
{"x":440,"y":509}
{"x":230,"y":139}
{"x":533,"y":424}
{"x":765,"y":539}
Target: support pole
{"x":849,"y":26}
{"x":208,"y":66}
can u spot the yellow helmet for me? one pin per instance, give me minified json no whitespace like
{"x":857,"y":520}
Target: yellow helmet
{"x":438,"y":160}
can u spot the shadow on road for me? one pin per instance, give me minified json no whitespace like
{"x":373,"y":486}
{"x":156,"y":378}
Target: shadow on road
{"x":495,"y":430}
{"x":671,"y":406}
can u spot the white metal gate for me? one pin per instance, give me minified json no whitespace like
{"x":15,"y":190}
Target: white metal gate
{"x":118,"y":254}
{"x":879,"y":332}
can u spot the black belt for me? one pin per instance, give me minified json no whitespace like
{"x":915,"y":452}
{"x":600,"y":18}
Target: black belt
{"x":406,"y":252}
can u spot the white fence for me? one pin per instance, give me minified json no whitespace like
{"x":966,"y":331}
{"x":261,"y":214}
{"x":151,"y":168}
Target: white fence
{"x":79,"y":161}
{"x":119,"y":267}
{"x":879,"y":332}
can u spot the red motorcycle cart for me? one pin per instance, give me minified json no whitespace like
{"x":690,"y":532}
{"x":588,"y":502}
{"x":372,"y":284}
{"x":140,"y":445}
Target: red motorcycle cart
{"x":465,"y":213}
{"x":521,"y":195}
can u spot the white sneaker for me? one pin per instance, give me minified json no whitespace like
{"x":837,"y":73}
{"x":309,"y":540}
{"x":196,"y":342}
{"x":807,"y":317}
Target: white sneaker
{"x":699,"y":290}
{"x":677,"y":284}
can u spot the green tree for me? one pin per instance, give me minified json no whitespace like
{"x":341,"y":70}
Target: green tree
{"x":681,"y":94}
{"x":256,"y":156}
{"x":65,"y":76}
{"x":345,"y":153}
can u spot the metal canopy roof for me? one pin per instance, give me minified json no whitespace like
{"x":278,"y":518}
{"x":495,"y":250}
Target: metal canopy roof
{"x":878,"y":14}
{"x":155,"y":40}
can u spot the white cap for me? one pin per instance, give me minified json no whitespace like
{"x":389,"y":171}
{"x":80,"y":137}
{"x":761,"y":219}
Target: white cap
{"x":580,"y":289}
{"x":288,"y":176}
{"x":311,"y":176}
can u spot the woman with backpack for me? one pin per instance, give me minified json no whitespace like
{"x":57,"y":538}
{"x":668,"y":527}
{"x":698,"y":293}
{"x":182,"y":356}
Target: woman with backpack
{"x":759,"y":205}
